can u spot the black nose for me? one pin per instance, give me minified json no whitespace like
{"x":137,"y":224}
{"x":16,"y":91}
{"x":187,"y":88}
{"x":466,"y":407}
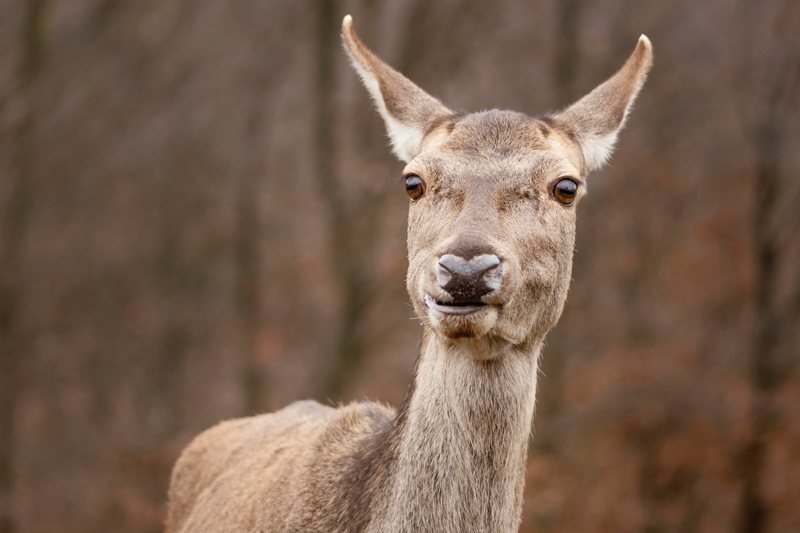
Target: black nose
{"x":468,"y":280}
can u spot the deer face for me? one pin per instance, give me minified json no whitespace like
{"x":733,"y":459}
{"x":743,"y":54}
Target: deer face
{"x":492,"y":218}
{"x":491,"y":235}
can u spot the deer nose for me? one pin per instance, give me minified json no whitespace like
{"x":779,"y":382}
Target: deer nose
{"x":467,"y":280}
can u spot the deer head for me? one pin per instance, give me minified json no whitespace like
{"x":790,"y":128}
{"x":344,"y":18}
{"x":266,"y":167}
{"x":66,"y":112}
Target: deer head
{"x":491,"y":225}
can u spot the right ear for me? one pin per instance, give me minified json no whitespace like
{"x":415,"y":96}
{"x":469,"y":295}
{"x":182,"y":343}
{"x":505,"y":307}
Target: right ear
{"x":408,"y":111}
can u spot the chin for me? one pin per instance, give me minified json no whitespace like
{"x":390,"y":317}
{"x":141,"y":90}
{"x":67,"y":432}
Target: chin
{"x":474,"y":324}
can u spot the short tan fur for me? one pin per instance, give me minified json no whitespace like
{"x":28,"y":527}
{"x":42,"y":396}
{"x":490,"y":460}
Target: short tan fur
{"x":491,"y":233}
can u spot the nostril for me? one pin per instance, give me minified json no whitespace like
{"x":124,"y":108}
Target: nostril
{"x":493,"y":277}
{"x":443,"y":276}
{"x":469,"y":280}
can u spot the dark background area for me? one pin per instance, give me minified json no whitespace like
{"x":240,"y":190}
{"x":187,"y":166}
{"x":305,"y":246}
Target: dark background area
{"x":200,"y":219}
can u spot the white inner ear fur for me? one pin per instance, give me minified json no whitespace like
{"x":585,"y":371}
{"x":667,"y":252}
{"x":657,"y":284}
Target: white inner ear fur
{"x":406,"y":139}
{"x":597,"y":149}
{"x":590,"y":115}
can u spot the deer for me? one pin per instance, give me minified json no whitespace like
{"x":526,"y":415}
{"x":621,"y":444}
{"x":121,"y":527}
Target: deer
{"x":491,"y":233}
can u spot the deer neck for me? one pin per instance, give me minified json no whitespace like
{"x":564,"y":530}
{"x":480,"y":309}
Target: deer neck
{"x":461,"y":441}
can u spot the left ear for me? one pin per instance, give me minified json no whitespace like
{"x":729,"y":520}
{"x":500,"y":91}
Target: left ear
{"x":595,"y":119}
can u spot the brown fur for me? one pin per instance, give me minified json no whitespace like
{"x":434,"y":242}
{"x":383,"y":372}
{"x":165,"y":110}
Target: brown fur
{"x":452,"y":458}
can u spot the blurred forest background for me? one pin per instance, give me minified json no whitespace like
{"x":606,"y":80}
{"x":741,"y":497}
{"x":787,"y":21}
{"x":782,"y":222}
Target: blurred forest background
{"x":200,"y":219}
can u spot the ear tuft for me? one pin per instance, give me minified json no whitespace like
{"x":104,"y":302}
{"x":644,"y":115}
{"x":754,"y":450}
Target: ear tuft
{"x":596,"y":119}
{"x":407,"y":110}
{"x":644,"y":42}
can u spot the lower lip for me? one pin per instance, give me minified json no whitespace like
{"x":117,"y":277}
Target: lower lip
{"x":451,"y":309}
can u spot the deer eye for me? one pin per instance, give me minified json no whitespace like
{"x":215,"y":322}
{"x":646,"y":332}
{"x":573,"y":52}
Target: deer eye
{"x":415,"y":187}
{"x":565,"y":191}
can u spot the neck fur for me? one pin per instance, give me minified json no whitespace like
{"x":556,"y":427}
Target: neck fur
{"x":460,"y":442}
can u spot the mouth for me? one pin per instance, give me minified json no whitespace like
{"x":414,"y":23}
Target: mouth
{"x":453,"y":308}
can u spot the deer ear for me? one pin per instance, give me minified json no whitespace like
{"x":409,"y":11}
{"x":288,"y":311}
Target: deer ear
{"x":407,"y":110}
{"x":595,"y":119}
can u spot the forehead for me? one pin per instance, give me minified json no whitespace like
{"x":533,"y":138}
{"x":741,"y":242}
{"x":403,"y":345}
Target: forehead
{"x":504,"y":145}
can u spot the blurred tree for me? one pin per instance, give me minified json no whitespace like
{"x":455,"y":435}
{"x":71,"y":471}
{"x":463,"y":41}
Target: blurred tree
{"x":25,"y":24}
{"x":199,"y":219}
{"x":769,"y":72}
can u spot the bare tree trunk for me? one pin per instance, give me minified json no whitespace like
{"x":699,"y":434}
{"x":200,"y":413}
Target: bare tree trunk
{"x":764,"y":371}
{"x":14,"y":342}
{"x":567,"y":52}
{"x":349,"y":350}
{"x":768,"y":370}
{"x":247,"y":263}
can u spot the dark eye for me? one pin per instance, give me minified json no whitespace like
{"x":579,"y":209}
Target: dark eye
{"x":565,"y":191}
{"x":415,"y":187}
